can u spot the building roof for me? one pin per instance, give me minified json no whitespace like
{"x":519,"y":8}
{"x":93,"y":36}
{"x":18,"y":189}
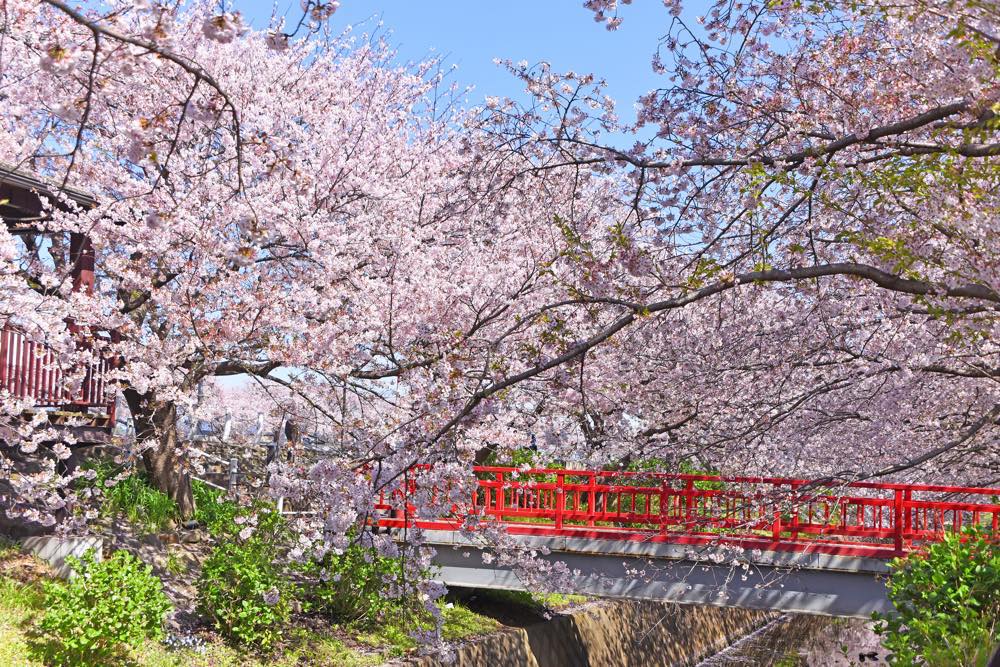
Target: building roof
{"x":21,"y":192}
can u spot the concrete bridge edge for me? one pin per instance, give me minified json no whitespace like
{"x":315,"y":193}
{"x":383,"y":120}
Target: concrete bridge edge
{"x":830,"y":586}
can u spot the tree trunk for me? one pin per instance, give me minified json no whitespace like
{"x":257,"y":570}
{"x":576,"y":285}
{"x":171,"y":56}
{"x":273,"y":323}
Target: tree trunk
{"x":164,"y":463}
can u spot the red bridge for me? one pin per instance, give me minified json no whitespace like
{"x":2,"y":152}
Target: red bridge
{"x":812,"y":547}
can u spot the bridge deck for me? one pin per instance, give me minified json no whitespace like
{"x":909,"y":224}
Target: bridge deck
{"x":823,"y":584}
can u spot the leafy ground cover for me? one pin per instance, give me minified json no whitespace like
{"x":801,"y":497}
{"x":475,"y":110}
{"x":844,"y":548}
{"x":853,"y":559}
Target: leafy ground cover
{"x":311,"y":635}
{"x":22,"y":579}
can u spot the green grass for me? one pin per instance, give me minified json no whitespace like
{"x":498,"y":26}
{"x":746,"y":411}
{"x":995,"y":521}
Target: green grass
{"x":21,"y":596}
{"x":144,"y":507}
{"x":559,"y":600}
{"x":8,"y":548}
{"x":460,"y":622}
{"x":391,"y":638}
{"x":304,"y":647}
{"x":320,"y":650}
{"x":133,"y":497}
{"x":16,"y":608}
{"x":533,"y":601}
{"x":19,"y":602}
{"x":152,"y":511}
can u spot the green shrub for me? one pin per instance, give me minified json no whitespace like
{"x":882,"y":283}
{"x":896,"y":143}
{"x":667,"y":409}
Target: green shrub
{"x":242,"y":588}
{"x":106,"y":607}
{"x":948,"y":603}
{"x":212,"y":510}
{"x":133,"y":497}
{"x":350,"y":587}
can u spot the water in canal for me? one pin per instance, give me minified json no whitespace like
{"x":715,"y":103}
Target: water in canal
{"x":799,"y":640}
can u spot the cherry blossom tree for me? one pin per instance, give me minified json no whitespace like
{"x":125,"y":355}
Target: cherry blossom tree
{"x":825,"y":217}
{"x":267,"y":202}
{"x":794,"y":269}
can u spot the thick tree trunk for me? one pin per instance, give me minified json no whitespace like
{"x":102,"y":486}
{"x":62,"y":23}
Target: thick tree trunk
{"x":166,"y":466}
{"x":164,"y":463}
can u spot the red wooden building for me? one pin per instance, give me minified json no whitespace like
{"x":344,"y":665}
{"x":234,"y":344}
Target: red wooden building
{"x":27,"y":368}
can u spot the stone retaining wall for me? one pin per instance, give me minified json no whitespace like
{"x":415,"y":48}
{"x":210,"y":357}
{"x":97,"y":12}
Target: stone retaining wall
{"x":55,"y":549}
{"x":616,"y":633}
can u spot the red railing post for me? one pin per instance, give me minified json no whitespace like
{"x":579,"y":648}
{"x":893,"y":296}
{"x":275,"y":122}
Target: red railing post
{"x":663,"y":505}
{"x":592,"y":499}
{"x":776,"y":526}
{"x":22,"y":367}
{"x":499,"y":498}
{"x":795,"y":511}
{"x":688,"y":502}
{"x":897,"y":522}
{"x":560,"y":498}
{"x":29,"y":372}
{"x":907,"y":517}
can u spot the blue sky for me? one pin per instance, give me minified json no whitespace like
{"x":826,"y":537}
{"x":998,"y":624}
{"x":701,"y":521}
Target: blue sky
{"x":471,"y":33}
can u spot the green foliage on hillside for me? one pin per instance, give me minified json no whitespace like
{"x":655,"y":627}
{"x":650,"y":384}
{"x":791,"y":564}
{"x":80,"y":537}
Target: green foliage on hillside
{"x":948,"y":599}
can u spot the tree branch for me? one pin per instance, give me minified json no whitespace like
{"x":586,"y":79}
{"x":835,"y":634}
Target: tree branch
{"x":881,"y":278}
{"x":187,"y":65}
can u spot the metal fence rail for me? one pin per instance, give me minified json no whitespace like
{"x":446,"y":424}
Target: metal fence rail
{"x":862,"y":518}
{"x":231,"y":466}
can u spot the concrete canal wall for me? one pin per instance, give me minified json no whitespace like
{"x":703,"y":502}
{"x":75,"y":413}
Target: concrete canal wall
{"x":614,"y":633}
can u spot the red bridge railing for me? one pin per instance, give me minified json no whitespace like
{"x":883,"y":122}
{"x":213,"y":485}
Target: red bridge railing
{"x":767,"y":513}
{"x":28,"y":369}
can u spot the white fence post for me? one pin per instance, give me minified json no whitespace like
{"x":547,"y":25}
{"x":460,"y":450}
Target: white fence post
{"x":234,"y":472}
